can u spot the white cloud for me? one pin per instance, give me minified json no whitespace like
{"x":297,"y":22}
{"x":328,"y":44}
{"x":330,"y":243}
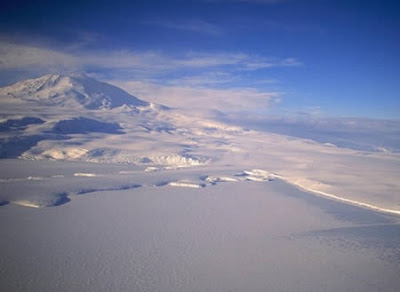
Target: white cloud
{"x":201,"y":99}
{"x":290,"y":62}
{"x":21,"y":56}
{"x":213,"y":78}
{"x":356,"y":133}
{"x":193,"y":25}
{"x":15,"y":56}
{"x":194,"y":79}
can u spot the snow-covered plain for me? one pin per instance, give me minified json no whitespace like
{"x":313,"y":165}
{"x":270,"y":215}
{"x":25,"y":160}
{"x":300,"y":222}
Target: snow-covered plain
{"x":239,"y":236}
{"x":151,"y":198}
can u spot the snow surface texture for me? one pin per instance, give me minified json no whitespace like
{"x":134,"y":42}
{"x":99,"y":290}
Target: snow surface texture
{"x":241,"y":236}
{"x":148,"y":198}
{"x":78,"y":119}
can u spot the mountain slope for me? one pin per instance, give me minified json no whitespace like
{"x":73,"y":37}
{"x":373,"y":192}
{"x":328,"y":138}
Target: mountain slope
{"x":76,"y":89}
{"x":77,"y":118}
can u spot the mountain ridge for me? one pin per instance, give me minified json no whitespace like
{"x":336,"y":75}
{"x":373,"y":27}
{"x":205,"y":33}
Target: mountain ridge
{"x":74,"y":89}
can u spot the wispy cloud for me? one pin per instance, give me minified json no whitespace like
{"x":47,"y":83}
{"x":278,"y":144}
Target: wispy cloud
{"x":213,"y":78}
{"x":193,"y":25}
{"x":356,"y":133}
{"x":22,"y":56}
{"x":202,"y":80}
{"x":17,"y":57}
{"x":201,"y":99}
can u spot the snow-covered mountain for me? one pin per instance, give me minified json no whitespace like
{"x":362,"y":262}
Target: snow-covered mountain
{"x":68,"y":91}
{"x":76,"y":118}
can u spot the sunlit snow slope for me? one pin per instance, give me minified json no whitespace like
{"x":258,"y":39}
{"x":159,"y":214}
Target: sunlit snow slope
{"x":71,"y":90}
{"x":76,"y":118}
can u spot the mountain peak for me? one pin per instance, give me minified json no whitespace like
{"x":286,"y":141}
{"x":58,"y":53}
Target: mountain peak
{"x":67,"y":90}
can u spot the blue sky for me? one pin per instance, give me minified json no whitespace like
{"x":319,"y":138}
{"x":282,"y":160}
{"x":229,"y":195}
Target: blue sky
{"x":322,"y":58}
